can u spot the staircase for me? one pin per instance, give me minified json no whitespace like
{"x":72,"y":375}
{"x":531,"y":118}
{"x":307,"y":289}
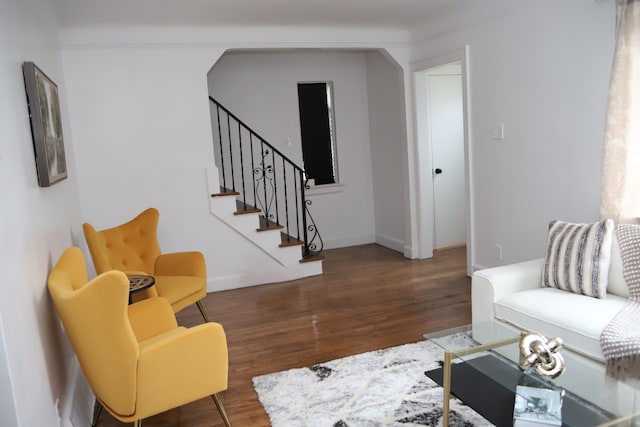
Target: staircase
{"x":260,"y":193}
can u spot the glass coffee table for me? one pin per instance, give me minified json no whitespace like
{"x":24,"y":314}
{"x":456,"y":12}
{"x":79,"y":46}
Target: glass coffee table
{"x":481,"y":369}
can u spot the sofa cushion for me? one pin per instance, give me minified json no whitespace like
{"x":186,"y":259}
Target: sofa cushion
{"x":578,"y":256}
{"x":577,"y":319}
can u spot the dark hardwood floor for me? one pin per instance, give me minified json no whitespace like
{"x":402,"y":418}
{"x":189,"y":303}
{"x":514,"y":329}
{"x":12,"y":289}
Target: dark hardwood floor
{"x":368,"y":298}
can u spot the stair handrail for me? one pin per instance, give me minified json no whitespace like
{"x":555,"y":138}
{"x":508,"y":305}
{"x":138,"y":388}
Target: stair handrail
{"x":304,"y":224}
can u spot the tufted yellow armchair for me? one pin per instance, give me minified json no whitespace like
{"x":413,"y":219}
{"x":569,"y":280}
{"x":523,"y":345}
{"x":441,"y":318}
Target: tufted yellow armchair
{"x":132,"y":247}
{"x":136,"y":358}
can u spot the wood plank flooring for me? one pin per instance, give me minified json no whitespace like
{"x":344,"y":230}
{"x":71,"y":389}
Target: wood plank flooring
{"x":368,"y":298}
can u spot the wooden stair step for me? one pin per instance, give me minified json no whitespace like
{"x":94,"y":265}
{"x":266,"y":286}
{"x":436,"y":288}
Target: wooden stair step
{"x":225,"y":192}
{"x":245,"y":208}
{"x":266,"y":224}
{"x":289,"y":240}
{"x":312,"y":258}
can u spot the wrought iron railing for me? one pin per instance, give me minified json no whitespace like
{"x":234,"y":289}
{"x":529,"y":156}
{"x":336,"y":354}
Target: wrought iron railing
{"x":266,"y":180}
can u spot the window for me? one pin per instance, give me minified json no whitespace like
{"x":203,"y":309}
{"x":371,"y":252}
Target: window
{"x":620,"y":172}
{"x":317,"y":128}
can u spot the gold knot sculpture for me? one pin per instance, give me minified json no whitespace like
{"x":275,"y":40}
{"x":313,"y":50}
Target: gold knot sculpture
{"x":541,"y":355}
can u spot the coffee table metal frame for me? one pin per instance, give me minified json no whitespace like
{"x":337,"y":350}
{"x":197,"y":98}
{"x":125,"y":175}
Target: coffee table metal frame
{"x":449,"y":356}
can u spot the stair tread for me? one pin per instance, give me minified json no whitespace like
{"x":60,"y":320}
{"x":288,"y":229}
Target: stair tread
{"x":266,"y":224}
{"x":288,"y":240}
{"x":231,"y":193}
{"x":312,"y":258}
{"x":245,"y":208}
{"x":225,"y":192}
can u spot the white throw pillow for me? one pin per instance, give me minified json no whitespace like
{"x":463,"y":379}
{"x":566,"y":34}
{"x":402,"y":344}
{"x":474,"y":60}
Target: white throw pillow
{"x":578,"y":256}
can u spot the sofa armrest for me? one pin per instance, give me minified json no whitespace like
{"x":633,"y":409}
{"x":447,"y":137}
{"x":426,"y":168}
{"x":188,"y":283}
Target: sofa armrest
{"x":491,"y":284}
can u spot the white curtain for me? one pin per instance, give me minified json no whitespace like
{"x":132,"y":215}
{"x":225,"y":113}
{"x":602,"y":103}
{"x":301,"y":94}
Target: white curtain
{"x":620,"y":192}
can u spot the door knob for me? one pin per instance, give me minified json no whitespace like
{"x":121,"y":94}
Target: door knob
{"x":438,"y":171}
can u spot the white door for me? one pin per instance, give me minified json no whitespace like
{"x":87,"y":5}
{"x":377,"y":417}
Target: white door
{"x":444,"y":86}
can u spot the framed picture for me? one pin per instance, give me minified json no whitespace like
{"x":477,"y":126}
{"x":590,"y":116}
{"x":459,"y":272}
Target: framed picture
{"x":46,"y":125}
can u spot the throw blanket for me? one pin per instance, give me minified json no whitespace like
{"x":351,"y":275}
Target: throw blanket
{"x":620,"y":339}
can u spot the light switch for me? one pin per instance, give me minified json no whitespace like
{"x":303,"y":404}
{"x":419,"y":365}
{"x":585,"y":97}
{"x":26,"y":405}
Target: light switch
{"x":498,"y":131}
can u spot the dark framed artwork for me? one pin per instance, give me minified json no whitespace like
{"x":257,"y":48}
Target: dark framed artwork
{"x":46,"y":125}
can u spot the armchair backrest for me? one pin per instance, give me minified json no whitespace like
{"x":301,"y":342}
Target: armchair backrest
{"x":132,"y":246}
{"x":94,"y":316}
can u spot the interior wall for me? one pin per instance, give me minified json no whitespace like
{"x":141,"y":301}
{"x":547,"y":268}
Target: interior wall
{"x":261,"y":89}
{"x":548,"y":85}
{"x":142,"y":116}
{"x":388,"y":149}
{"x":139,"y":107}
{"x":36,"y":224}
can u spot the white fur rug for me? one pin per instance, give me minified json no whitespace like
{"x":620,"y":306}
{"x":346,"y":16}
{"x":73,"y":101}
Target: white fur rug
{"x":377,"y":389}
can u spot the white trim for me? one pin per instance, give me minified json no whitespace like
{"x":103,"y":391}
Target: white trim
{"x":349,"y":241}
{"x":423,"y":176}
{"x":225,"y":283}
{"x":477,"y":267}
{"x":318,"y":190}
{"x":77,"y":409}
{"x":390,"y":243}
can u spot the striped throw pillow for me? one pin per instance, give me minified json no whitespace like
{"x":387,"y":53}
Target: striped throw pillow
{"x":578,"y":256}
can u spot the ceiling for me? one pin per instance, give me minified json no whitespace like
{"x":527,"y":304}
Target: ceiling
{"x":392,"y":14}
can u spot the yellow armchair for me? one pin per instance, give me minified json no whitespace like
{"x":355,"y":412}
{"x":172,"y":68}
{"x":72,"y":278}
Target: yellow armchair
{"x":133,"y":248}
{"x":136,"y":358}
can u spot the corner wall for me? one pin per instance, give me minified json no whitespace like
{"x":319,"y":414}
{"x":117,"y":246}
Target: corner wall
{"x":261,"y":89}
{"x":36,"y":225}
{"x":385,"y":90}
{"x":141,"y":114}
{"x":542,"y":69}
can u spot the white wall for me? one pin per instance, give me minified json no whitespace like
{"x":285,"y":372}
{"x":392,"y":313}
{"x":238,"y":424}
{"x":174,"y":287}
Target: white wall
{"x":542,"y":69}
{"x":36,"y":223}
{"x":385,"y":90}
{"x":141,"y":119}
{"x":261,"y":89}
{"x":140,"y":113}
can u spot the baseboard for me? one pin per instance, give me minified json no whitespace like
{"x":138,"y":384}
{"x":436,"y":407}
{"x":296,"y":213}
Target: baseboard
{"x":410,"y":252}
{"x":391,"y":243}
{"x":348,"y":241}
{"x":226,"y":283}
{"x":477,"y":267}
{"x":77,"y":409}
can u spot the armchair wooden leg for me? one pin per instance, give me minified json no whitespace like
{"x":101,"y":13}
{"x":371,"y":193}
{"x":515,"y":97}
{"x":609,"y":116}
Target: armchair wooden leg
{"x":223,"y":413}
{"x":201,"y":308}
{"x":97,"y":410}
{"x":137,"y":423}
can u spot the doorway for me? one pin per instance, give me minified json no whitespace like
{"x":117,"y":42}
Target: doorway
{"x":446,"y":132}
{"x":443,"y":151}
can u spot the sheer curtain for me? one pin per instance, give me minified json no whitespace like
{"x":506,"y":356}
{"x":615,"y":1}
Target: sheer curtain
{"x":620,"y":192}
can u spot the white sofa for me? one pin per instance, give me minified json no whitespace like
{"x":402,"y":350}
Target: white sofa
{"x":513,"y":295}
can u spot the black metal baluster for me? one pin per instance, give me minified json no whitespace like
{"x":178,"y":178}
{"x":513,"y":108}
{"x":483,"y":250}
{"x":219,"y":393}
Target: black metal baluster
{"x":305,"y":252}
{"x":295,"y":183}
{"x":253,"y":168}
{"x":244,"y":193}
{"x":224,"y":175}
{"x":286,"y":199}
{"x":265,"y":206}
{"x":275,"y":185}
{"x":233,"y":175}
